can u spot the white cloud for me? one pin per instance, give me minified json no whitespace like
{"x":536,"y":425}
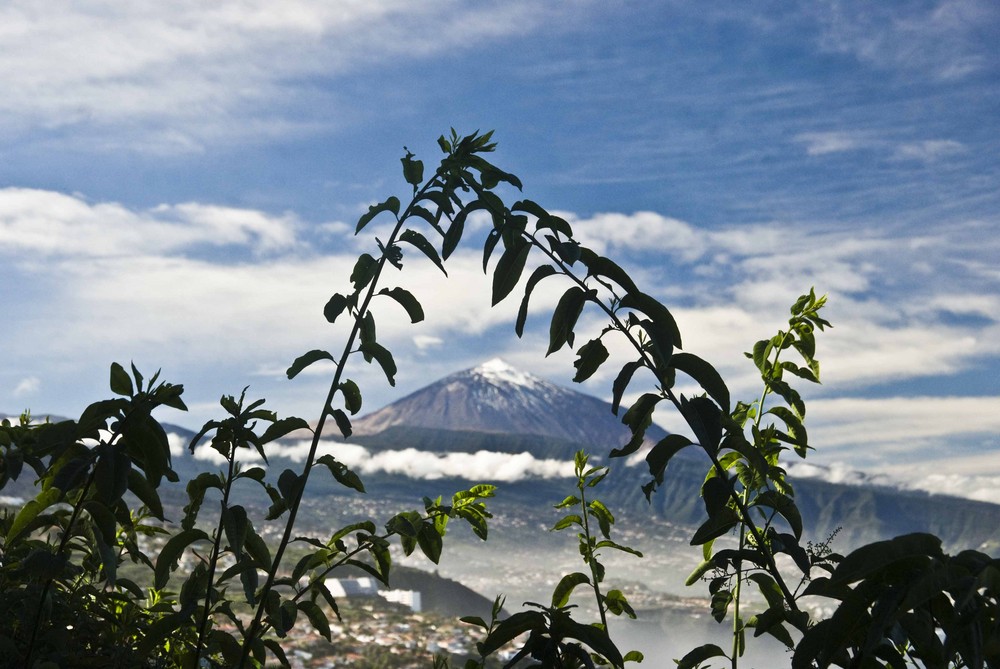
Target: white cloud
{"x":982,"y":487}
{"x":169,"y":78}
{"x":928,"y":150}
{"x":822,"y":143}
{"x":896,"y":432}
{"x":485,"y":466}
{"x":27,"y":386}
{"x":944,"y":39}
{"x":50,"y":223}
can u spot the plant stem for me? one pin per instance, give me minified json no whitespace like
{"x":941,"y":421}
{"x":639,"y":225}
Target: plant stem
{"x":255,"y":626}
{"x":589,"y":548}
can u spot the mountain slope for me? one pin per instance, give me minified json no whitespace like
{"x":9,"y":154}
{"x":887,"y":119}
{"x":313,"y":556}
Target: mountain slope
{"x":495,"y":398}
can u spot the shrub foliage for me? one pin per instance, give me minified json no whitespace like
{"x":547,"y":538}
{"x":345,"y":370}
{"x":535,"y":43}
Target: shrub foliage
{"x":79,"y":588}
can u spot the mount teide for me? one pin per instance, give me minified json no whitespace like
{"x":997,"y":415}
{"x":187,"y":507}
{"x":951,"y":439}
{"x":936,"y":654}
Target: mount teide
{"x":498,"y":407}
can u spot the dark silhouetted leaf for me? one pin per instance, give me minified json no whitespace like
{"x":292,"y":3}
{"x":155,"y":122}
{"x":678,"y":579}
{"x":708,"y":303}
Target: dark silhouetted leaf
{"x":121,"y":382}
{"x":407,"y":301}
{"x":590,"y":357}
{"x":392,"y":204}
{"x":416,"y":239}
{"x":564,"y":317}
{"x":305,"y":360}
{"x":508,"y":270}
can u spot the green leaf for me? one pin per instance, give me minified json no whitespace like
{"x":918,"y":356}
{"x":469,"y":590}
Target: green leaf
{"x":705,"y":420}
{"x":290,"y":485}
{"x":540,"y":273}
{"x":567,"y":521}
{"x":171,"y":551}
{"x":430,"y":542}
{"x":103,"y":519}
{"x":873,"y":557}
{"x":601,"y":266}
{"x":796,"y":430}
{"x":407,"y":301}
{"x":699,"y":571}
{"x":591,"y":356}
{"x":659,"y":456}
{"x":565,"y":587}
{"x":662,"y":319}
{"x":381,"y":355}
{"x":237,"y":525}
{"x":352,"y":396}
{"x":416,"y":239}
{"x":509,"y":268}
{"x":344,"y":476}
{"x":784,"y":505}
{"x":316,"y":618}
{"x":305,"y":360}
{"x":392,"y":204}
{"x":281,"y":428}
{"x":621,"y":383}
{"x":715,"y":492}
{"x":509,"y":629}
{"x":706,"y":376}
{"x":121,"y":382}
{"x":30,"y":511}
{"x":257,"y":549}
{"x":717,"y":525}
{"x":141,"y":488}
{"x":564,"y":318}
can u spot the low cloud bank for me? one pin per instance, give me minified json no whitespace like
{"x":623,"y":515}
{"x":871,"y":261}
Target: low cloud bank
{"x":968,"y":486}
{"x":508,"y":467}
{"x":413,"y":463}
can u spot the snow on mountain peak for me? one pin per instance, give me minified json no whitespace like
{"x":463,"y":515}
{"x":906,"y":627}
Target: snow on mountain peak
{"x":498,"y":371}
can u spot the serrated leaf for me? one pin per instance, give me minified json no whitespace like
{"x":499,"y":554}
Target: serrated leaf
{"x":305,"y":360}
{"x":407,"y":301}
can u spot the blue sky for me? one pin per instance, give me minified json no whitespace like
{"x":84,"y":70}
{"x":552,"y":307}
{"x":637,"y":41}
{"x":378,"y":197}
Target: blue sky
{"x":180,"y":180}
